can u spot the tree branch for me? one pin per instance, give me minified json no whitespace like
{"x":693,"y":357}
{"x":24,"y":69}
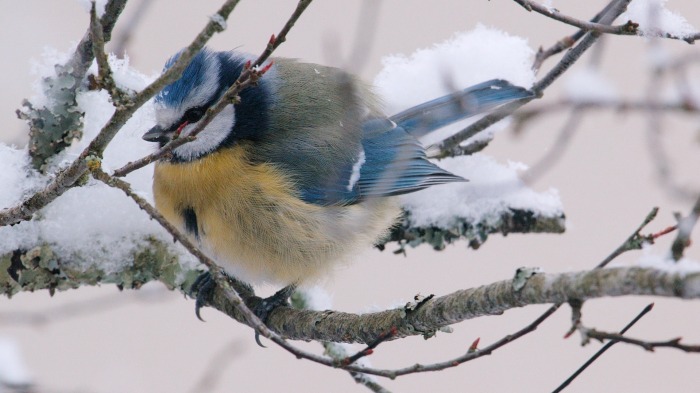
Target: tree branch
{"x":40,"y":268}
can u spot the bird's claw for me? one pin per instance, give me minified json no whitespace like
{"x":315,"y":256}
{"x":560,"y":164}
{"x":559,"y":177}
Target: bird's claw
{"x":265,"y":306}
{"x":202,"y":290}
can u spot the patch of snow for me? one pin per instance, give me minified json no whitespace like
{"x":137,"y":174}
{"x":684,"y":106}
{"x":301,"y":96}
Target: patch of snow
{"x":492,"y":190}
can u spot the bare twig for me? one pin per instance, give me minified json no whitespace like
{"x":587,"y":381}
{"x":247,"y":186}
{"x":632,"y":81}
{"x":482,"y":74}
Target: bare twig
{"x":471,"y":353}
{"x":602,"y":350}
{"x":370,"y":347}
{"x":163,"y":152}
{"x":338,"y":352}
{"x":647,"y":345}
{"x":83,"y":56}
{"x":635,"y":241}
{"x":104,"y":78}
{"x":629,"y":28}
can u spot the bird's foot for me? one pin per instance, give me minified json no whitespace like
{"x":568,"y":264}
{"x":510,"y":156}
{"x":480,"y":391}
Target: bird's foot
{"x":280,"y":299}
{"x":202,"y":290}
{"x":265,"y":306}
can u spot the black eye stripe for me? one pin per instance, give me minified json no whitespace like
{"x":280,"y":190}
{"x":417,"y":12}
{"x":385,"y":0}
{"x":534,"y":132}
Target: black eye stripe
{"x":193,"y":115}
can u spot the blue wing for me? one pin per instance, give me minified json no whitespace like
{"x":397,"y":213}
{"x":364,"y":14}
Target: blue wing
{"x":390,"y":162}
{"x":393,"y":162}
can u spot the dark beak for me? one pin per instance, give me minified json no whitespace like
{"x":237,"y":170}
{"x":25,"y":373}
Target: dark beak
{"x":157,"y":134}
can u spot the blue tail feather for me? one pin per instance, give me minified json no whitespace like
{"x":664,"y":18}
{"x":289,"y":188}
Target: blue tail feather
{"x":429,"y":116}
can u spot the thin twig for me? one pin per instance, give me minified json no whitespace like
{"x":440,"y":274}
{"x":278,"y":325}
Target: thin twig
{"x":83,"y":56}
{"x":474,"y":354}
{"x":629,"y":28}
{"x":104,"y":77}
{"x":647,"y":345}
{"x":233,"y":296}
{"x":370,"y":347}
{"x":634,"y":242}
{"x":602,"y":350}
{"x":338,"y":352}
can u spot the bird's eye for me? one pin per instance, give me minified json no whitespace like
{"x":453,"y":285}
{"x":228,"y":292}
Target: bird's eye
{"x":193,"y":115}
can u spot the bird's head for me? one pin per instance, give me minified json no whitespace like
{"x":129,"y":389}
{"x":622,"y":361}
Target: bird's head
{"x":181,"y":105}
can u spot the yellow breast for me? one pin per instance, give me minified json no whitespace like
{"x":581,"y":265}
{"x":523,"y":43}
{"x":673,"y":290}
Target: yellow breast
{"x":250,"y":218}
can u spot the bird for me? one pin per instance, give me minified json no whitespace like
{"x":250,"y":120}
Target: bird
{"x":301,"y":172}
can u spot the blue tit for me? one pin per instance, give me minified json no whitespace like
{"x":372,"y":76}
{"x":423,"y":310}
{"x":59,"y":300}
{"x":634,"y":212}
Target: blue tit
{"x":302,"y":172}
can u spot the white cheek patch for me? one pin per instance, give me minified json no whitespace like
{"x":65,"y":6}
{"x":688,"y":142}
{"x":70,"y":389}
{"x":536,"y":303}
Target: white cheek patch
{"x":210,"y":138}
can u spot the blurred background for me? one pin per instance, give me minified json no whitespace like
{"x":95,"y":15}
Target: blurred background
{"x":99,"y":340}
